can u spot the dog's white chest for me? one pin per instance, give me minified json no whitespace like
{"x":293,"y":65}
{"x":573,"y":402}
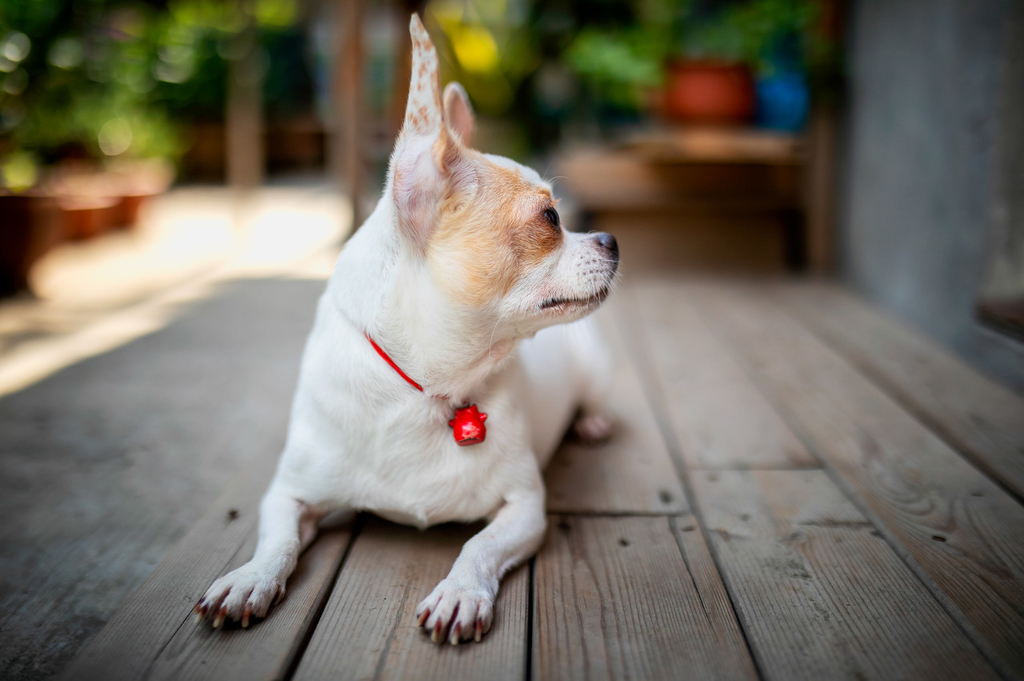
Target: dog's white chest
{"x":400,"y":461}
{"x":362,"y":438}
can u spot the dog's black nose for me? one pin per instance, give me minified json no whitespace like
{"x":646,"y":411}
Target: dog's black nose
{"x":608,"y":242}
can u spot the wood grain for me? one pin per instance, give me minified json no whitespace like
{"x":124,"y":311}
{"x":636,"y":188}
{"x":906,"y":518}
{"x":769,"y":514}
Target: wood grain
{"x":633,"y":471}
{"x":614,"y":599}
{"x":268,"y":649}
{"x":719,"y":418}
{"x":368,"y":629}
{"x":153,"y":635}
{"x":108,"y":464}
{"x":819,"y":592}
{"x":978,"y":416}
{"x":962,"y":533}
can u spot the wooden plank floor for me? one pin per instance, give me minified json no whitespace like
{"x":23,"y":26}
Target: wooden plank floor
{"x":799,"y":487}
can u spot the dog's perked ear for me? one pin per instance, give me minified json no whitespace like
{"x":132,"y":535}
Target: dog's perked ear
{"x":458,"y":113}
{"x":422,"y":161}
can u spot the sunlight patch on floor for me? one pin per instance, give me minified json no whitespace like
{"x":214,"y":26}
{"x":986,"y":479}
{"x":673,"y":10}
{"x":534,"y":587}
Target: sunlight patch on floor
{"x":95,"y":295}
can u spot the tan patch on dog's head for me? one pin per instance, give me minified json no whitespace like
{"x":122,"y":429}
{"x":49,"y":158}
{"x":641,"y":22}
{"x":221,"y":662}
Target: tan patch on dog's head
{"x":486,"y":241}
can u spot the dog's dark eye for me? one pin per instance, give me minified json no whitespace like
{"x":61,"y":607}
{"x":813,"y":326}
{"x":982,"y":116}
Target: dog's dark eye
{"x":552,"y":216}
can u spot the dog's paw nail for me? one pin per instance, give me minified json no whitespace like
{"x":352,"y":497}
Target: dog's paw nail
{"x":219,"y":619}
{"x":199,"y":617}
{"x":443,"y":608}
{"x":245,"y":615}
{"x":423,"y":618}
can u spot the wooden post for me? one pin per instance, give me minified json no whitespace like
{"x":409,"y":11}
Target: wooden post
{"x":244,"y":134}
{"x":347,"y":82}
{"x":820,"y":190}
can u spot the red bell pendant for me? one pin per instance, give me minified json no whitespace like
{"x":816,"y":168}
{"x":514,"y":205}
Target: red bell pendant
{"x":468,"y":425}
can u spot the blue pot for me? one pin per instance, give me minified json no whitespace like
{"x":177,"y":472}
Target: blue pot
{"x":783,"y":101}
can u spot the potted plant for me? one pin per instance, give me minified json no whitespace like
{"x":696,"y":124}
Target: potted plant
{"x":107,"y":154}
{"x":746,"y":59}
{"x":709,"y":79}
{"x":77,"y":95}
{"x":720,"y":67}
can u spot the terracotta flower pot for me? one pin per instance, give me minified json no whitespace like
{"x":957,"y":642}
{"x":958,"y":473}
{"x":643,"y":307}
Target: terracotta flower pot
{"x":89,"y":216}
{"x":131,"y":208}
{"x":710,"y":92}
{"x":95,"y":200}
{"x":136,"y":182}
{"x":31,"y":226}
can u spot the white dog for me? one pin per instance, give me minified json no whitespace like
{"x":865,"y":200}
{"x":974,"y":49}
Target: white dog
{"x":462,"y":258}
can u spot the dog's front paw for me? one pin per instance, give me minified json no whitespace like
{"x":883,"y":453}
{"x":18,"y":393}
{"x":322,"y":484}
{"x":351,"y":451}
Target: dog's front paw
{"x":242,"y":594}
{"x":454,"y":613}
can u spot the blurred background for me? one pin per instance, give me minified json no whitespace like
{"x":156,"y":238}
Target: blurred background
{"x":147,"y":145}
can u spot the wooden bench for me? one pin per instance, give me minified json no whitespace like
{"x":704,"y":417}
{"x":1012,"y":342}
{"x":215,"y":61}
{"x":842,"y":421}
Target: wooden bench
{"x":699,"y":197}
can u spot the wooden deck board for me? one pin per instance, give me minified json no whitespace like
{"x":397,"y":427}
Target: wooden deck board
{"x":963,"y":533}
{"x":267,"y":649}
{"x":978,"y":416}
{"x":615,"y":600}
{"x":719,"y":418}
{"x":368,"y":629}
{"x":633,"y":471}
{"x":153,"y":634}
{"x":820,"y":593}
{"x":108,"y":464}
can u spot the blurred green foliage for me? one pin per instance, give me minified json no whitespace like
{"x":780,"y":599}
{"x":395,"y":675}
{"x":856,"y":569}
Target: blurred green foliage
{"x":546,"y":60}
{"x":617,"y":65}
{"x":99,"y":79}
{"x":756,"y":31}
{"x":105,"y":78}
{"x":513,"y":57}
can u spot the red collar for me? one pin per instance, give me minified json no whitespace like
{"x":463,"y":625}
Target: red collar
{"x":394,"y":366}
{"x":468,"y":424}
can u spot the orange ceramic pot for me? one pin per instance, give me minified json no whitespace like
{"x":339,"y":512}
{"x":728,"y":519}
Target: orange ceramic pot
{"x":710,"y":92}
{"x":89,"y":216}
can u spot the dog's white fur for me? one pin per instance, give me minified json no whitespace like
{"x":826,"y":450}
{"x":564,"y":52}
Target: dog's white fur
{"x":362,"y":438}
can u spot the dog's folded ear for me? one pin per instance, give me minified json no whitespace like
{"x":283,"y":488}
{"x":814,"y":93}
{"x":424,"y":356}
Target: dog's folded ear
{"x":458,"y":113}
{"x":425,"y":153}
